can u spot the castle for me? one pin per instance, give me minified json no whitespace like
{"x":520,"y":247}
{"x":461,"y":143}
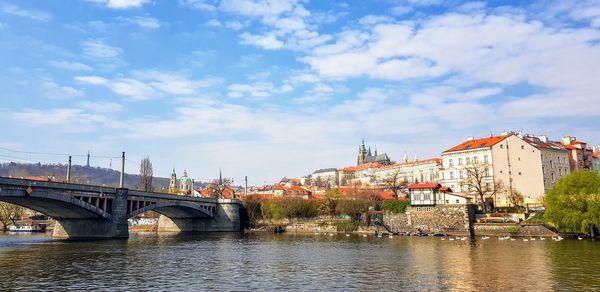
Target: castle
{"x":365,"y":156}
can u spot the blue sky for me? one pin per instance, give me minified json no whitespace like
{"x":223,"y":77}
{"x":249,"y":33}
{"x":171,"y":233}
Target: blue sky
{"x":280,"y":88}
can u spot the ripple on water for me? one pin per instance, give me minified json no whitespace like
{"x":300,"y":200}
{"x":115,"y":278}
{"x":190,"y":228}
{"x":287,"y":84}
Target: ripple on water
{"x":296,"y":262}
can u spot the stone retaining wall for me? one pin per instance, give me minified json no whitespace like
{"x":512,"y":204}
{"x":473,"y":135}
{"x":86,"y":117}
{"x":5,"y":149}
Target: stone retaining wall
{"x":453,"y":219}
{"x":500,"y":229}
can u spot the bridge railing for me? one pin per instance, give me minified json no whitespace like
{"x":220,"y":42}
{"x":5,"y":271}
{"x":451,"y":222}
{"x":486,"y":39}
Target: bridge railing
{"x":17,"y":182}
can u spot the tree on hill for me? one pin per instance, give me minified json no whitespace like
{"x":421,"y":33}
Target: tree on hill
{"x":573,"y":204}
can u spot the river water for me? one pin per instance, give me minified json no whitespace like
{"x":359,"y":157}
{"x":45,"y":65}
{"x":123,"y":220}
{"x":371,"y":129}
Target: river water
{"x":296,"y":262}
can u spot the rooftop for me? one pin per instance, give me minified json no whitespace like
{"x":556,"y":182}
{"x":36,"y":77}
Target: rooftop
{"x":478,"y":143}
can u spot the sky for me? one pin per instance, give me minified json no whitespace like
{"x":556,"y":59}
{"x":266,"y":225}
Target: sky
{"x":270,"y":89}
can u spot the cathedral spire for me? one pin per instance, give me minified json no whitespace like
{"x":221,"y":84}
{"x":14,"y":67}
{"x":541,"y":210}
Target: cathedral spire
{"x":220,"y":177}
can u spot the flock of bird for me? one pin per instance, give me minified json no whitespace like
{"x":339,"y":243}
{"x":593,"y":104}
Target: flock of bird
{"x":462,"y":238}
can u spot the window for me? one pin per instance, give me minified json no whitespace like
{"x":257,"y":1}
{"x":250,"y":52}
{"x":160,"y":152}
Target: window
{"x":447,"y":201}
{"x":501,"y":146}
{"x":452,"y":175}
{"x":460,"y":175}
{"x":519,"y":173}
{"x":475,"y":159}
{"x":522,"y":147}
{"x":485,"y":158}
{"x":460,"y":161}
{"x":468,"y":160}
{"x":450,"y":162}
{"x":457,"y":201}
{"x":487,"y":171}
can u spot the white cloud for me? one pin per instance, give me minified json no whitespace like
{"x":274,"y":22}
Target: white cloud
{"x":100,"y":50}
{"x":52,"y":90}
{"x":150,"y":84}
{"x":93,"y":80}
{"x":258,"y":7}
{"x":213,"y":23}
{"x":144,"y":22}
{"x":198,"y":4}
{"x":267,"y":42}
{"x":258,"y":90}
{"x":235,"y":25}
{"x":101,"y":106}
{"x":71,"y":66}
{"x":21,"y":12}
{"x":120,"y":4}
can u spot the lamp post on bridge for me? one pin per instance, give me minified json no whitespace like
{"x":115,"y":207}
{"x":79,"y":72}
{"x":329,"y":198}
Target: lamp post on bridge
{"x":69,"y":170}
{"x":121,"y":179}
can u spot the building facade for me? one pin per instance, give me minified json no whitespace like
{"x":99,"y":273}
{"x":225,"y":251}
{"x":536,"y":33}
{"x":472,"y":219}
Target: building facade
{"x":580,"y":156}
{"x":183,"y":186}
{"x":418,"y":171}
{"x":328,"y":177}
{"x":596,"y":159}
{"x":517,"y":162}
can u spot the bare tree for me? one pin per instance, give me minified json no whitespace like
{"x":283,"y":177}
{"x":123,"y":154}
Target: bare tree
{"x":516,"y":198}
{"x":394,"y":183}
{"x":10,"y":213}
{"x":146,"y":175}
{"x":478,"y":183}
{"x":219,"y":187}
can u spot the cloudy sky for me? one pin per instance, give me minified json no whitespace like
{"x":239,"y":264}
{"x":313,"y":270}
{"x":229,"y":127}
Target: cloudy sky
{"x":274,"y":88}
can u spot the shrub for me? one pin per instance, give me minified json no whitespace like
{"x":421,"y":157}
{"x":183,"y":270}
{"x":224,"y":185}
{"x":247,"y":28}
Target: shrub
{"x":514,"y":230}
{"x":395,"y":206}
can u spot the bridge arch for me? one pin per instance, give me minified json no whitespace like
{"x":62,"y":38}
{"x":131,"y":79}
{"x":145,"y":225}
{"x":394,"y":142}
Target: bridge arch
{"x":53,"y":204}
{"x":177,"y":210}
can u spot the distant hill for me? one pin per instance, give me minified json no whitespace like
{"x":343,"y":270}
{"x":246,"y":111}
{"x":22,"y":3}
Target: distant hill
{"x":79,"y":174}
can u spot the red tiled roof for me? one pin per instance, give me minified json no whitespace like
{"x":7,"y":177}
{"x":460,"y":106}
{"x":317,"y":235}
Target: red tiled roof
{"x":278,"y":187}
{"x":478,"y":143}
{"x":596,"y":154}
{"x":437,"y":160}
{"x":362,"y":167}
{"x":386,"y":195}
{"x":570,"y":147}
{"x":423,"y":186}
{"x":445,"y":189}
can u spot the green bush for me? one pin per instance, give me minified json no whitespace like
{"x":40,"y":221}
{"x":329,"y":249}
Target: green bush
{"x":514,"y":230}
{"x":573,"y":204}
{"x":395,"y":206}
{"x":346,"y":225}
{"x":352,"y":207}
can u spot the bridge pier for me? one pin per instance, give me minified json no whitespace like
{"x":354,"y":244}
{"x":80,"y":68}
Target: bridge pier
{"x":226,"y":219}
{"x":114,"y":227}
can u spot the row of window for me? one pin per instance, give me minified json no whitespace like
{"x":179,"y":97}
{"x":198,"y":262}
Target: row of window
{"x":486,"y":172}
{"x":468,"y":160}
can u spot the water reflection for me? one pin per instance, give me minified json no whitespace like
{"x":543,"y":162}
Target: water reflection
{"x":296,"y":262}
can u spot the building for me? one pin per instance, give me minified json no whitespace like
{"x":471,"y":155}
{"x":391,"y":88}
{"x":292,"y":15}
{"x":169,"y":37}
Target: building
{"x":328,"y":177}
{"x":433,"y":194}
{"x":365,"y":156}
{"x":580,"y":157}
{"x":360,"y":175}
{"x":517,"y":162}
{"x":596,"y":159}
{"x":183,"y":186}
{"x":417,"y":171}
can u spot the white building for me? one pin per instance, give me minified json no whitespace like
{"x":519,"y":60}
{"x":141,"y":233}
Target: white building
{"x":524,"y":164}
{"x":418,"y":171}
{"x":327,"y":176}
{"x":433,"y":194}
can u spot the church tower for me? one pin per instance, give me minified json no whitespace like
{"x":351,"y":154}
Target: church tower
{"x":173,"y":182}
{"x":362,"y":153}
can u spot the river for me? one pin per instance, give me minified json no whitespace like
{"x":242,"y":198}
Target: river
{"x":296,"y":262}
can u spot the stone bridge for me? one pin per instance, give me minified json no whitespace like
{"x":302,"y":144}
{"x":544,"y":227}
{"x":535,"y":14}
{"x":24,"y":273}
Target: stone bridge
{"x":86,"y":211}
